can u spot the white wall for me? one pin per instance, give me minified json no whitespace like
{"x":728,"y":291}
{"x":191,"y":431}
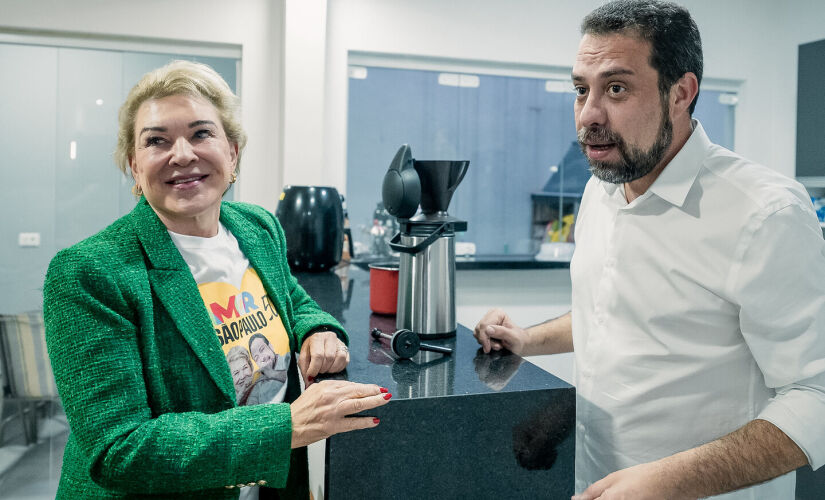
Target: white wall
{"x":255,"y":25}
{"x":305,"y":30}
{"x":294,"y":77}
{"x":750,"y":40}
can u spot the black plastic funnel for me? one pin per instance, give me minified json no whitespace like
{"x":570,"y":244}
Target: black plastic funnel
{"x":439,"y":178}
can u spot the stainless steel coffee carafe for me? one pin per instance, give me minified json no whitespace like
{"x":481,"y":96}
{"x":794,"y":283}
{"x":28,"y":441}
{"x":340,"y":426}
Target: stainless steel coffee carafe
{"x":425,"y":242}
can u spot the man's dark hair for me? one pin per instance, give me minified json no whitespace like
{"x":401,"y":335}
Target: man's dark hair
{"x":676,"y":47}
{"x":258,"y":336}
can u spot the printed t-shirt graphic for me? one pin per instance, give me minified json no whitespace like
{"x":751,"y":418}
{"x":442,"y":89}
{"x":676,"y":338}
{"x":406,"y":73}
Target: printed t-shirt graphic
{"x":252,"y":336}
{"x":247,"y":325}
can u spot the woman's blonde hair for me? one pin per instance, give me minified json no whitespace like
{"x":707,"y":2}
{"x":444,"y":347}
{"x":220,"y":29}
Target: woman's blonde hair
{"x":239,"y":352}
{"x":179,"y":78}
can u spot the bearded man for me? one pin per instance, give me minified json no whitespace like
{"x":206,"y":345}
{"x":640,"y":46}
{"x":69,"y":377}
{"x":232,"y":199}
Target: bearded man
{"x":698,"y":306}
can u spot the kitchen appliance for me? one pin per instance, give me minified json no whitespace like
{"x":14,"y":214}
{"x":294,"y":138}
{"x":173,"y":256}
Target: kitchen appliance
{"x":426,"y":242}
{"x":313,"y":222}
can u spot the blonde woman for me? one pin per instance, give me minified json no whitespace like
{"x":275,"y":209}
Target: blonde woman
{"x":140,"y":317}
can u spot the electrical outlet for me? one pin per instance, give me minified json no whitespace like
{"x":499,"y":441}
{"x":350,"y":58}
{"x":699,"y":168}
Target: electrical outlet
{"x":28,"y":239}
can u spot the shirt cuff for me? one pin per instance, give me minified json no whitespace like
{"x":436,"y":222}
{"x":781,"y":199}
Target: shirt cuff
{"x":799,"y":413}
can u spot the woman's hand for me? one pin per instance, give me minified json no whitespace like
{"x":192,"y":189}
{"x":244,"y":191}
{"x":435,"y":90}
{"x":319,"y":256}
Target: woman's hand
{"x":322,"y":352}
{"x":322,"y":410}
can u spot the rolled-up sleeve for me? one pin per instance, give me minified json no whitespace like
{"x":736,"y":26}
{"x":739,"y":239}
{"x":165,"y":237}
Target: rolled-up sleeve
{"x":779,"y":283}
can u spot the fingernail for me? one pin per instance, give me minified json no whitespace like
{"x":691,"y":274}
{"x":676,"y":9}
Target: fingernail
{"x":384,"y":390}
{"x":490,"y":330}
{"x":375,"y":420}
{"x":387,"y":395}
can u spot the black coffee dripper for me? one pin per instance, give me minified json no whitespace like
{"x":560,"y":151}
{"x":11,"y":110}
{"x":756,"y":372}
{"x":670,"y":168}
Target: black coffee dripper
{"x":430,"y":183}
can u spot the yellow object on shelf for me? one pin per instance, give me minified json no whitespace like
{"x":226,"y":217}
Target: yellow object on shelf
{"x":556,"y":234}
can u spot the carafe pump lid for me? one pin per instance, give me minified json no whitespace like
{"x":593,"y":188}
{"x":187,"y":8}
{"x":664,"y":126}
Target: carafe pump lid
{"x":401,"y":191}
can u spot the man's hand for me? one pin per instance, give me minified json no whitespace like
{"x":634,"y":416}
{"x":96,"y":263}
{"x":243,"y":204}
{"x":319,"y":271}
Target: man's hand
{"x":322,"y":352}
{"x":496,"y":331}
{"x":756,"y":452}
{"x":641,"y":482}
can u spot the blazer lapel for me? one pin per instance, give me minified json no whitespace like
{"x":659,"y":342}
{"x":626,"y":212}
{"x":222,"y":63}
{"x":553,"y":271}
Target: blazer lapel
{"x":175,"y":288}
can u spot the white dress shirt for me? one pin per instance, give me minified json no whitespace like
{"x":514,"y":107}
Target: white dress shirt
{"x":697,"y":308}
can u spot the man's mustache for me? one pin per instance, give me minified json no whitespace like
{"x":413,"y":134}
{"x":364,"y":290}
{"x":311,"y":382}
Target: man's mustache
{"x":598,"y":135}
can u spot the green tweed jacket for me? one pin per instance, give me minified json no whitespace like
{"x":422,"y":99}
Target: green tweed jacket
{"x":142,"y":376}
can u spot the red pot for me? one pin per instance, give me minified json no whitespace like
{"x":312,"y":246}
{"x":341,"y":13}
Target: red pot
{"x":384,"y":287}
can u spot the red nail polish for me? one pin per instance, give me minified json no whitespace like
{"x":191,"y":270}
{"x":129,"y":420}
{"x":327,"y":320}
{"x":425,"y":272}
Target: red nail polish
{"x":387,"y":395}
{"x":375,"y":420}
{"x":311,"y":379}
{"x":384,"y":390}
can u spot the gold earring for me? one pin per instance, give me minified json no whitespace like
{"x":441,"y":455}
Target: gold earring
{"x":137,"y":190}
{"x":234,"y":177}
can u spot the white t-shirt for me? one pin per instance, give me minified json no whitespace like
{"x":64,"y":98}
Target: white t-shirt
{"x":246,"y":323}
{"x":697,"y":307}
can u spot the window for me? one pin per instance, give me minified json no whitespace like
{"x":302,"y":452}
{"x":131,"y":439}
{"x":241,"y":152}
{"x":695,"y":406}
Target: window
{"x":517,"y":131}
{"x":60,"y":129}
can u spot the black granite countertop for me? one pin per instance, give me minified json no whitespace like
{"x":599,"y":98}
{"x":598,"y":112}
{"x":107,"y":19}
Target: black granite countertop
{"x":468,"y":425}
{"x":508,"y":261}
{"x":475,"y":262}
{"x":345,"y":294}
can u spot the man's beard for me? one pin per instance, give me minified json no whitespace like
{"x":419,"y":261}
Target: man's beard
{"x":634,"y":163}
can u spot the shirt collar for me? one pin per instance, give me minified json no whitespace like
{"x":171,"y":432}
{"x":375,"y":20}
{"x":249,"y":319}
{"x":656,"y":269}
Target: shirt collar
{"x":676,"y":179}
{"x":678,"y":176}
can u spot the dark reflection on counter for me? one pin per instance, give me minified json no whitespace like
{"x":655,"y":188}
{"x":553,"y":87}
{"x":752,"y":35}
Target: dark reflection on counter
{"x":537,"y":439}
{"x":496,"y":368}
{"x":427,"y":374}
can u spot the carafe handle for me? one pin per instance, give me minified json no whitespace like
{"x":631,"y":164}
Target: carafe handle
{"x":395,"y":242}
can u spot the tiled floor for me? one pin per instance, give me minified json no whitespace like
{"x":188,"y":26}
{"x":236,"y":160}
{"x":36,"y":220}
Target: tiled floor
{"x":31,"y":472}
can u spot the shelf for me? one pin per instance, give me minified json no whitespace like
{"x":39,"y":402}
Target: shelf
{"x":812,"y":182}
{"x":543,"y":194}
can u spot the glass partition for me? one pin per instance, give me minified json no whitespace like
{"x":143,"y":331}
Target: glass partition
{"x":60,"y":126}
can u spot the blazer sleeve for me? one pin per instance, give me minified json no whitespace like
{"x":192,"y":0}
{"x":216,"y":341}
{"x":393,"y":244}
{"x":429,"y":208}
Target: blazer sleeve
{"x":90,"y":311}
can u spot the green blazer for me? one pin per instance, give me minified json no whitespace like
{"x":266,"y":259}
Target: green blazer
{"x":142,"y":376}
